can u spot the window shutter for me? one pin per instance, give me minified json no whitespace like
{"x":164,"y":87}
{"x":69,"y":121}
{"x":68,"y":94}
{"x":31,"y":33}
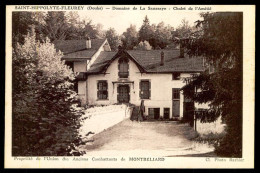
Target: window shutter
{"x":127,"y":69}
{"x":119,"y":68}
{"x":97,"y":90}
{"x":140,"y":89}
{"x":149,"y":89}
{"x":105,"y":85}
{"x":118,"y":93}
{"x":106,"y":95}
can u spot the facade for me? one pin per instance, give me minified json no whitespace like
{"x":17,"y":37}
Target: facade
{"x":155,"y":76}
{"x":79,"y":55}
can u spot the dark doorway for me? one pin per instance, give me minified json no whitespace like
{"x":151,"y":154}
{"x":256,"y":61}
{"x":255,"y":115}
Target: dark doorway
{"x":156,"y":113}
{"x":123,"y":94}
{"x":175,"y":102}
{"x":166,"y":113}
{"x":188,"y":109}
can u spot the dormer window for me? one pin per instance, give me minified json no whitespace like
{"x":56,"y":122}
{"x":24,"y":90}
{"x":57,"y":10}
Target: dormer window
{"x":123,"y":68}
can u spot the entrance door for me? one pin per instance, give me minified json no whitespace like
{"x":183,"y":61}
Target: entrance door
{"x":175,"y":102}
{"x":123,"y":94}
{"x":156,"y":113}
{"x":166,"y":113}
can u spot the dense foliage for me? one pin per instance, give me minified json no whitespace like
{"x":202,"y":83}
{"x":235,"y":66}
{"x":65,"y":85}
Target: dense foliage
{"x":184,"y":30}
{"x":56,"y":25}
{"x":22,"y":23}
{"x":45,"y":117}
{"x":60,"y":25}
{"x":113,"y":39}
{"x":158,"y":36}
{"x":219,"y":40}
{"x":130,"y":38}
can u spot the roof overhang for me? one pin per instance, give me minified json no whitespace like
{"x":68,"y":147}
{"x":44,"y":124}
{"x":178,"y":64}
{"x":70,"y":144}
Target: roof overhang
{"x":76,"y":59}
{"x":162,"y":72}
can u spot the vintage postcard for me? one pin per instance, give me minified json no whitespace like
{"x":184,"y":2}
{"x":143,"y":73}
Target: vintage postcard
{"x":130,"y":86}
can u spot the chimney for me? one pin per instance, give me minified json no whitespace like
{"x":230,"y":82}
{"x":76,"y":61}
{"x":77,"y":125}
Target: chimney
{"x":181,"y":49}
{"x":162,"y":58}
{"x":88,"y":43}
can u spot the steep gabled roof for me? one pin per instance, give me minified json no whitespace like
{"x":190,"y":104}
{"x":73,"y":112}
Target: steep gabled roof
{"x":102,"y":60}
{"x":83,"y":54}
{"x":77,"y":48}
{"x":149,"y":61}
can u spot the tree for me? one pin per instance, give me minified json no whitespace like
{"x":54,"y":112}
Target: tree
{"x":184,"y":30}
{"x":22,"y":23}
{"x":78,"y":29}
{"x":89,"y":30}
{"x":113,"y":39}
{"x":144,"y":45}
{"x":219,"y":40}
{"x":100,"y":32}
{"x":130,"y":37}
{"x":146,"y":31}
{"x":45,"y":115}
{"x":162,"y":35}
{"x":74,"y":29}
{"x":158,"y":36}
{"x":56,"y":27}
{"x":72,"y":18}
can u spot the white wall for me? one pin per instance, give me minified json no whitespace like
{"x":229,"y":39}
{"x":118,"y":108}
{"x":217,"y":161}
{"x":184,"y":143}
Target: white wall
{"x":206,"y":128}
{"x":82,"y":91}
{"x":161,"y":88}
{"x":102,"y":119}
{"x":94,"y":57}
{"x":80,"y":66}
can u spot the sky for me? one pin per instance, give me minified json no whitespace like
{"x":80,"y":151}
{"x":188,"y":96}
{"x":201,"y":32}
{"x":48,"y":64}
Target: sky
{"x":120,"y":20}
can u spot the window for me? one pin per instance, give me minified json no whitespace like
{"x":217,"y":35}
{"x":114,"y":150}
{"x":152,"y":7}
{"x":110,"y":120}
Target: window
{"x":154,"y":113}
{"x":176,"y":76}
{"x":123,"y":68}
{"x":176,"y":93}
{"x":102,"y":90}
{"x":145,"y":89}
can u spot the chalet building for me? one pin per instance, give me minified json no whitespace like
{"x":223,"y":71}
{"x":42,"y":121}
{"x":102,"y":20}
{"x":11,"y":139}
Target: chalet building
{"x":129,"y":76}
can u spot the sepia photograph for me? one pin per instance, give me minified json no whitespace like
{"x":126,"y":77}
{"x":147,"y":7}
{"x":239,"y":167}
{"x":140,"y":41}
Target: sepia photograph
{"x":141,"y":83}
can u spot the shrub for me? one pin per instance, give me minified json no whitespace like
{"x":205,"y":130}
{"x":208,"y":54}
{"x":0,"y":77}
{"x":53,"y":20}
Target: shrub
{"x":45,"y":114}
